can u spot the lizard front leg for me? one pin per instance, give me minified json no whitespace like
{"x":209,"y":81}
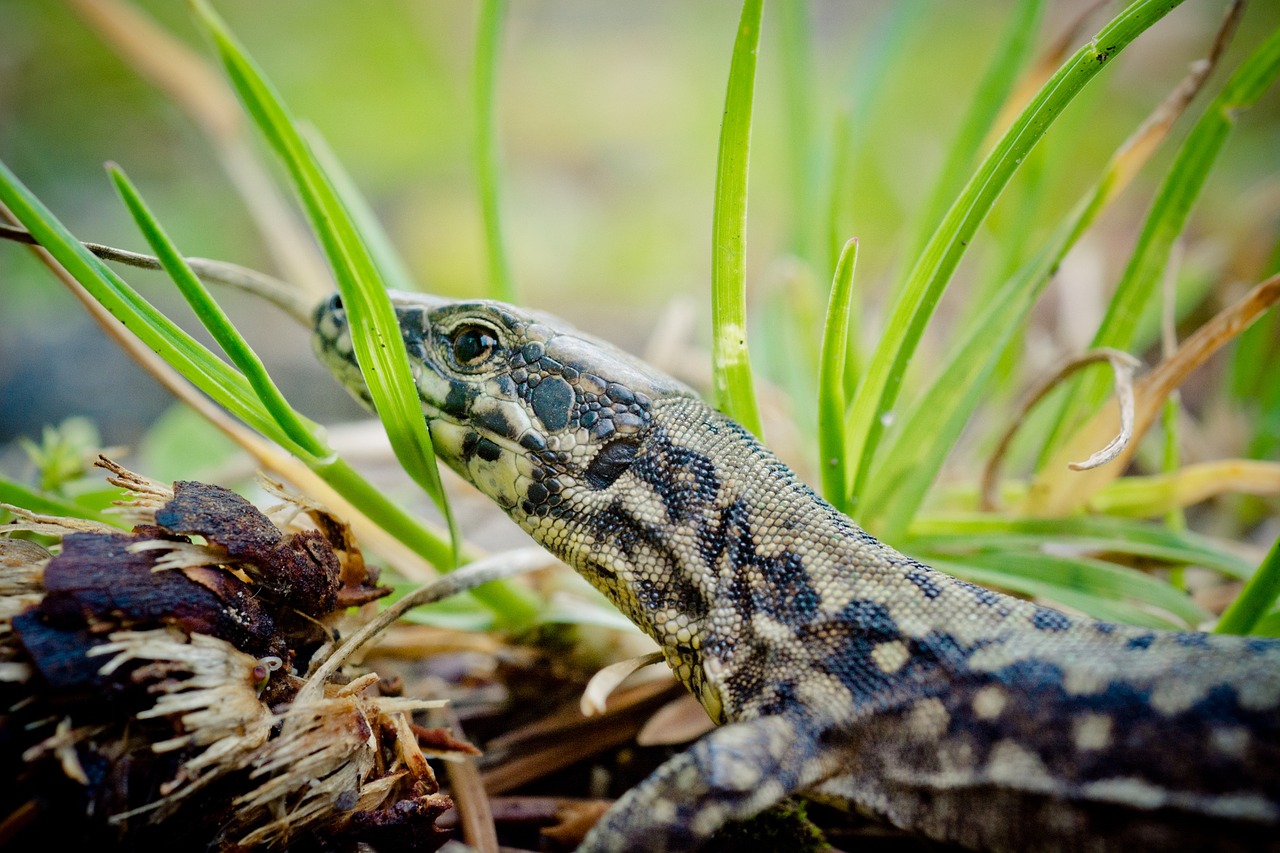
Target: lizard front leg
{"x":732,"y":773}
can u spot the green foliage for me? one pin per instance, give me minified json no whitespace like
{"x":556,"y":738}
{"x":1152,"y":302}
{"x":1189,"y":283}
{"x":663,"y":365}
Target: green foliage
{"x":912,"y":374}
{"x":731,"y":365}
{"x":1166,"y":221}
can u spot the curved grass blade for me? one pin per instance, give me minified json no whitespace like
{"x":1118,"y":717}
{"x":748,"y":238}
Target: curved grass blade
{"x":488,"y":168}
{"x":731,"y":366}
{"x":1258,"y":596}
{"x":375,"y":332}
{"x":217,"y":322}
{"x":1098,"y":605}
{"x":970,"y":532}
{"x":1094,"y":577}
{"x":882,"y":382}
{"x":914,"y":454}
{"x":1172,"y":490}
{"x":391,"y":266}
{"x":990,"y":96}
{"x":1165,"y":221}
{"x":190,"y":358}
{"x":1054,"y":493}
{"x":831,"y":371}
{"x":203,"y":369}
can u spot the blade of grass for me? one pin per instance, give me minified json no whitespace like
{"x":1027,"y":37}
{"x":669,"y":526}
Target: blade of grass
{"x":488,"y":168}
{"x":210,"y":374}
{"x":880,"y":386}
{"x":1057,"y":493}
{"x":410,"y":545}
{"x":179,"y":349}
{"x":970,"y":532}
{"x":391,"y":266}
{"x":990,"y":95}
{"x":17,"y":494}
{"x":798,"y":90}
{"x":1165,"y":221}
{"x":1094,"y":577}
{"x":216,"y":321}
{"x":914,"y":454}
{"x":375,"y":332}
{"x":731,"y":365}
{"x":1100,"y":605}
{"x":831,"y":367}
{"x":1190,"y":484}
{"x":1258,"y":596}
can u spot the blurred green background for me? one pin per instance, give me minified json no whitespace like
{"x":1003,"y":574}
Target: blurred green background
{"x":609,"y":116}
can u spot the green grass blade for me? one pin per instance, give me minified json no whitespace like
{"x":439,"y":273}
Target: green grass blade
{"x":831,"y":367}
{"x":226,"y":387}
{"x":375,"y":333}
{"x":17,"y":494}
{"x":391,"y":266}
{"x":917,"y":451}
{"x":877,"y":58}
{"x":1258,"y":596}
{"x":1268,"y":625}
{"x":914,"y":453}
{"x":1007,"y":61}
{"x":488,"y":168}
{"x":216,"y":321}
{"x":881,"y":384}
{"x":1165,"y":221}
{"x":731,"y":366}
{"x":186,"y":355}
{"x":799,"y":89}
{"x":1094,"y":577}
{"x":969,"y":532}
{"x":1099,"y":605}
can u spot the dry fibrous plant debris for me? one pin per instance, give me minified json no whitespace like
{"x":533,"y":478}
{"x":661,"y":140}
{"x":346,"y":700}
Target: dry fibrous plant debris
{"x":151,"y":684}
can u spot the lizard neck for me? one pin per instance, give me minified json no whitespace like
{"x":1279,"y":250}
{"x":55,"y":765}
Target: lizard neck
{"x":715,"y":548}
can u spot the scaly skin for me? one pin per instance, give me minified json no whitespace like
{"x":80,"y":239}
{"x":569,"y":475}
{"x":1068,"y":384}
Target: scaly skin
{"x":835,"y":666}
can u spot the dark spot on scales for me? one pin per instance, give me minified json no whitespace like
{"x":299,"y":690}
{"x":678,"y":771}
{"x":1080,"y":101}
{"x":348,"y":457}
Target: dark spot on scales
{"x":609,"y":464}
{"x":551,"y":401}
{"x":457,"y":399}
{"x":496,"y":422}
{"x":487,"y":450}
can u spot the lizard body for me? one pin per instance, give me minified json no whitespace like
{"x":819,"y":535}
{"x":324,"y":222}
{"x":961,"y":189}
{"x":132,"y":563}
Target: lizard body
{"x":835,"y":666}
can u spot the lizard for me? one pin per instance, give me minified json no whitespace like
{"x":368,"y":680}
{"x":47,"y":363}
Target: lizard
{"x":835,"y":667}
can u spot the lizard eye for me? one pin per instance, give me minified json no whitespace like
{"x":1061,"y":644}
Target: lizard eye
{"x":473,"y":344}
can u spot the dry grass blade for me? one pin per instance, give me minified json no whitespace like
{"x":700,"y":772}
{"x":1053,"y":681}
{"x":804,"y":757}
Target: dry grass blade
{"x":198,"y":89}
{"x":1123,"y":364}
{"x":218,"y":272}
{"x":566,"y":737}
{"x":1191,"y":484}
{"x":595,"y":697}
{"x":1057,"y":492}
{"x":495,"y":567}
{"x":475,"y":814}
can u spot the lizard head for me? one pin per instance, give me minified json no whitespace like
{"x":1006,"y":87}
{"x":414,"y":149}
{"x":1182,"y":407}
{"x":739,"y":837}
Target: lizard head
{"x":534,"y":413}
